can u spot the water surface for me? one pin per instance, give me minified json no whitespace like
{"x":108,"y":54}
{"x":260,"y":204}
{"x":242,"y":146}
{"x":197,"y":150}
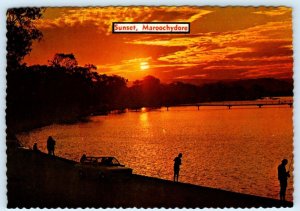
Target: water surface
{"x":235,"y":149}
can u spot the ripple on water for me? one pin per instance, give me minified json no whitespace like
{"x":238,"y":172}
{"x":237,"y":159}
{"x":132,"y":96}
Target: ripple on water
{"x":237,"y":149}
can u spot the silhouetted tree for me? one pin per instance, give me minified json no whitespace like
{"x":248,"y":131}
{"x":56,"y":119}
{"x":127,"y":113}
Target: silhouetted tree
{"x":146,"y":92}
{"x":21,"y":32}
{"x":64,"y":60}
{"x":151,"y":89}
{"x":90,"y":66}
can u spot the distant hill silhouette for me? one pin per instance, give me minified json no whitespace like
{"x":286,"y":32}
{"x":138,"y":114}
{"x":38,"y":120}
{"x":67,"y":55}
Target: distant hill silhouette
{"x":201,"y":82}
{"x":247,"y":89}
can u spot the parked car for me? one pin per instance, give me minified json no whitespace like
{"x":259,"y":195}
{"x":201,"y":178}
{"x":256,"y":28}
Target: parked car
{"x":102,"y":168}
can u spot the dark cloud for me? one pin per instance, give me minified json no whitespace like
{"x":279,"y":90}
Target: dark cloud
{"x":266,"y":49}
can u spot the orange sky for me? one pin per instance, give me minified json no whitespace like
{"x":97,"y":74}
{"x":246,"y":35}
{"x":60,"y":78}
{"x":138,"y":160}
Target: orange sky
{"x":224,"y":43}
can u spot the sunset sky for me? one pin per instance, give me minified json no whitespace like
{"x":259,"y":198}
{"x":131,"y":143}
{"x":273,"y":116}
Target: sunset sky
{"x":224,"y":43}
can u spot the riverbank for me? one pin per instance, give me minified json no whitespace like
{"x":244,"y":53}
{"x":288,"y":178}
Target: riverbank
{"x":39,"y":180}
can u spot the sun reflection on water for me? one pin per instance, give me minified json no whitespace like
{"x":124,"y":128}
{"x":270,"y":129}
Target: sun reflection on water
{"x":144,"y":120}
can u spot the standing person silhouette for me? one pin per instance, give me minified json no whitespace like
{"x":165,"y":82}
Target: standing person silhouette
{"x":177,"y":163}
{"x":283,"y":177}
{"x":50,"y":145}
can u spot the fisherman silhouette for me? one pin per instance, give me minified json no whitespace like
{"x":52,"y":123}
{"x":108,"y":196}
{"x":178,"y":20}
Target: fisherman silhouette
{"x":177,"y":163}
{"x":283,"y":177}
{"x":83,"y":158}
{"x":50,"y":145}
{"x":35,"y":148}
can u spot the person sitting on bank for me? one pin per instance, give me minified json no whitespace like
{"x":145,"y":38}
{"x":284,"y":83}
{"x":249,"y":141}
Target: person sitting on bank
{"x":177,"y":163}
{"x":283,"y":177}
{"x":83,"y":158}
{"x":35,"y":148}
{"x":50,"y":145}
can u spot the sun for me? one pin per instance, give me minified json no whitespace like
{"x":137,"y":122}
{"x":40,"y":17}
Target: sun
{"x":144,"y":65}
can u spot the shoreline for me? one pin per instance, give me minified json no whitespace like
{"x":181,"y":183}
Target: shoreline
{"x":22,"y":126}
{"x":29,"y":173}
{"x":40,"y":180}
{"x":35,"y":124}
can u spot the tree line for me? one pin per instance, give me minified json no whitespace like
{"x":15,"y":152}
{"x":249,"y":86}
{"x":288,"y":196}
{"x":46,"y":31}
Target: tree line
{"x":52,"y":93}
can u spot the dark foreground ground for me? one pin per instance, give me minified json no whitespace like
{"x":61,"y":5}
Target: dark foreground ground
{"x":39,"y":180}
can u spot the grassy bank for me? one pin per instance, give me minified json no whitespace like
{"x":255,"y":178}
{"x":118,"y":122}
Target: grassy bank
{"x":39,"y":180}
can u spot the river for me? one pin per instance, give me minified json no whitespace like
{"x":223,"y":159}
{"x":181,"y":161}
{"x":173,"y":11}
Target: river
{"x":235,"y":149}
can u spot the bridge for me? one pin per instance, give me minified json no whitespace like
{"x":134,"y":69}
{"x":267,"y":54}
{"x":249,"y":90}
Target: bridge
{"x":230,"y":104}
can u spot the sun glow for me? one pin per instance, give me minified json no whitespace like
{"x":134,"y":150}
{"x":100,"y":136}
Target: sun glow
{"x":144,"y":65}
